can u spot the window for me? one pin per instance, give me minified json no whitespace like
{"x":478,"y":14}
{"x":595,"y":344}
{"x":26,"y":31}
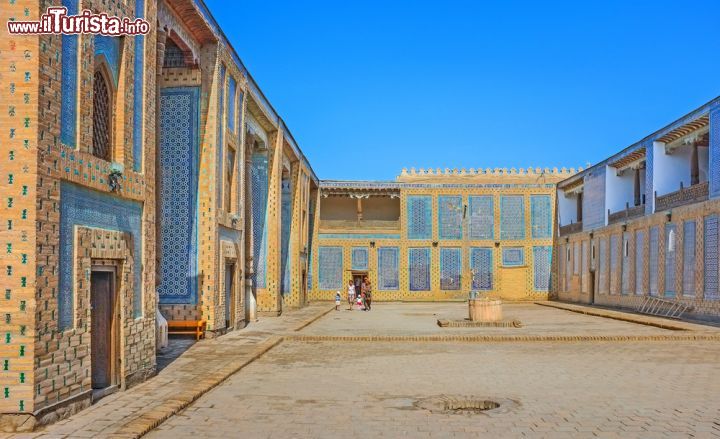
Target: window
{"x":174,"y":55}
{"x":229,"y":178}
{"x":102,"y":104}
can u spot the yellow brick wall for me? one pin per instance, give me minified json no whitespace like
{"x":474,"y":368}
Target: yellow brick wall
{"x":19,"y":122}
{"x":702,"y":307}
{"x":45,"y":367}
{"x":508,"y":283}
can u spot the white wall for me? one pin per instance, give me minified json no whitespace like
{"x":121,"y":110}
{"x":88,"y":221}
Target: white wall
{"x":670,"y":169}
{"x":567,"y":209}
{"x":704,"y":161}
{"x":619,"y":189}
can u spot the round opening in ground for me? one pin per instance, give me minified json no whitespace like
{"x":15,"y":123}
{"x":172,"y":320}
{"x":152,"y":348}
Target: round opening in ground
{"x":470,"y":405}
{"x":466,"y":405}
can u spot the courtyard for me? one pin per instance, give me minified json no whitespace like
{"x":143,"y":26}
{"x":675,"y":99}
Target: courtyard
{"x":372,"y":374}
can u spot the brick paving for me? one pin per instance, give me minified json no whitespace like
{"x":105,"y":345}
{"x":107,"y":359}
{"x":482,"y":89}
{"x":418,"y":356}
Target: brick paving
{"x":420,"y":319}
{"x":660,"y":322}
{"x":564,"y":374}
{"x":361,"y":389}
{"x":207,"y":363}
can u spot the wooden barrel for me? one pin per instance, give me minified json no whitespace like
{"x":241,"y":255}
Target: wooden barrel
{"x":485,"y":310}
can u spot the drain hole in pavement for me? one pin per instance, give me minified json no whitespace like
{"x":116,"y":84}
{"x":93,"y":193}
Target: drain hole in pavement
{"x":469,"y":405}
{"x":466,"y":405}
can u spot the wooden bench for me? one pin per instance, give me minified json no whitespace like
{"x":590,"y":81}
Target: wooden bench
{"x":196,"y":327}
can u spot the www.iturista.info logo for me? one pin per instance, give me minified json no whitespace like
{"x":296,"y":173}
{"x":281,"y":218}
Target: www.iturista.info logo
{"x":56,"y":21}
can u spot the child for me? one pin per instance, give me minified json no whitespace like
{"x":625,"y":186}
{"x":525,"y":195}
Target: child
{"x":337,"y":301}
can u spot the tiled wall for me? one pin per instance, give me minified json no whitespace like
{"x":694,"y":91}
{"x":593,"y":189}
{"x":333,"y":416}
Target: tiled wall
{"x":19,"y":93}
{"x":60,"y":216}
{"x":259,"y":183}
{"x":419,"y":266}
{"x":179,"y":125}
{"x":419,"y":214}
{"x":330,"y":271}
{"x":359,"y":258}
{"x":676,"y":259}
{"x":437,"y":250}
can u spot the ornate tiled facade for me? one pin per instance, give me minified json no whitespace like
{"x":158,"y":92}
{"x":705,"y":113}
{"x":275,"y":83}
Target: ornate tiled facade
{"x":512,"y":217}
{"x":436,"y":235}
{"x":482,"y":217}
{"x":169,"y":234}
{"x":233,"y":224}
{"x":179,"y":123}
{"x":666,"y":249}
{"x":450,"y":268}
{"x":481,"y":268}
{"x":82,"y":207}
{"x":542,"y":267}
{"x":419,"y":266}
{"x":359,"y":258}
{"x":419,"y":214}
{"x":330,"y":268}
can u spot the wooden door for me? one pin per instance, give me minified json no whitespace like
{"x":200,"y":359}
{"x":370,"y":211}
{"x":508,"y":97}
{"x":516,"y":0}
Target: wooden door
{"x":102,"y":300}
{"x":229,"y":285}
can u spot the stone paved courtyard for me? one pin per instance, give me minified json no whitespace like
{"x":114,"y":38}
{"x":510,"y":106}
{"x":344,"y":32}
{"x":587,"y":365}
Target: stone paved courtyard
{"x":374,"y":389}
{"x":287,"y":386}
{"x":369,"y":390}
{"x":421,"y":319}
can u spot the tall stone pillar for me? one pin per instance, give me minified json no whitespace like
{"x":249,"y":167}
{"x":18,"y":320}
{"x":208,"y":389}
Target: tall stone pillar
{"x":269,"y":299}
{"x":250,"y":300}
{"x":161,"y":38}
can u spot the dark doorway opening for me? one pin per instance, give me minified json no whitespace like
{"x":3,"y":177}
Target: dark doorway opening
{"x":229,"y":295}
{"x":103,"y":330}
{"x":358,"y":277}
{"x":303,"y":289}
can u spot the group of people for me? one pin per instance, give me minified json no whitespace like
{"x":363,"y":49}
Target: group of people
{"x":362,"y":299}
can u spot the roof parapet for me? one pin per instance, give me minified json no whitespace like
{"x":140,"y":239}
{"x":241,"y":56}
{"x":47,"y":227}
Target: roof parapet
{"x":565,"y":172}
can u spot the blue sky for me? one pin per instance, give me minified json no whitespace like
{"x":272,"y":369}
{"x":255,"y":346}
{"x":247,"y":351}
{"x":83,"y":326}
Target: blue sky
{"x":370,"y":87}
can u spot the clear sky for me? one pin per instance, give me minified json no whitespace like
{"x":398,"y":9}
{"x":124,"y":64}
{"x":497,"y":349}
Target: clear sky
{"x":369,"y":87}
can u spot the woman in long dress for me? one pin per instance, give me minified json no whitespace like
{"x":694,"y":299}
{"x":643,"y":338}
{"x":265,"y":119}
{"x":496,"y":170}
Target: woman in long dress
{"x":351,"y":294}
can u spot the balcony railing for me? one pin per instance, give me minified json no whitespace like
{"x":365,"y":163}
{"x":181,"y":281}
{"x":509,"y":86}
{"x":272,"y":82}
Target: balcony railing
{"x":694,"y":194}
{"x":362,"y":224}
{"x":571,"y":228}
{"x":626,"y":214}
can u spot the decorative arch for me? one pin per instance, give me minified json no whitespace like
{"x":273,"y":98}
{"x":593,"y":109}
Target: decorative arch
{"x":109,"y":50}
{"x":103,"y":109}
{"x":177,"y":52}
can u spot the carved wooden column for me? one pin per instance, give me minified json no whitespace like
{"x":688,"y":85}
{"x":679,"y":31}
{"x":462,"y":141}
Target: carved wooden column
{"x":694,"y":166}
{"x":579,"y":200}
{"x":637,"y":186}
